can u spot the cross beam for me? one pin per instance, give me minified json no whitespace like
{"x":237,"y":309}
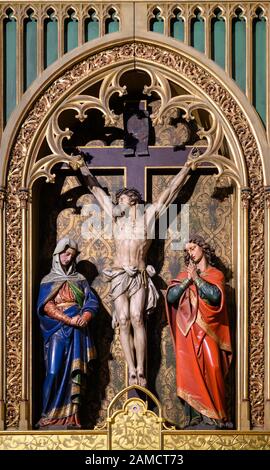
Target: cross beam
{"x":112,"y":157}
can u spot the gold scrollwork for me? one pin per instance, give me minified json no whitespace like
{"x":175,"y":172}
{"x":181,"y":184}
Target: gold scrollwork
{"x":134,"y":426}
{"x":217,"y":441}
{"x":40,"y":441}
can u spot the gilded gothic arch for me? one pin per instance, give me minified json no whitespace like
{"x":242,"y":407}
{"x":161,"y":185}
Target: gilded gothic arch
{"x":248,"y":168}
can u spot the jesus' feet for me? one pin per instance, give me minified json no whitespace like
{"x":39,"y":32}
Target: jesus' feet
{"x":132,"y":378}
{"x":141,"y":380}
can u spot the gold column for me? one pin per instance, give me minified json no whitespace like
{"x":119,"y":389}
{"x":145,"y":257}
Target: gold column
{"x":40,"y":44}
{"x":243,"y":320}
{"x":24,"y":403}
{"x":2,"y":16}
{"x":60,"y":31}
{"x":80,"y":26}
{"x":2,"y":311}
{"x":30,"y":303}
{"x":165,"y":16}
{"x":187,"y":31}
{"x":249,"y":71}
{"x":267,"y":312}
{"x":228,"y":45}
{"x":103,"y":15}
{"x":20,"y":55}
{"x":207,"y":31}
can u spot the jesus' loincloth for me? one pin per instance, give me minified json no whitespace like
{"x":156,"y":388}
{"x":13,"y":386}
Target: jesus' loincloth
{"x":128,"y":280}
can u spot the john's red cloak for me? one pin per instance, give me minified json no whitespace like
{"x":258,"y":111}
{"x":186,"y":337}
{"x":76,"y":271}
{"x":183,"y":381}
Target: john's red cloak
{"x":202,"y":343}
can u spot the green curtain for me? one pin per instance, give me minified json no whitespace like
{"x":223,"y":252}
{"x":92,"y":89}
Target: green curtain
{"x":197,"y":32}
{"x":112,"y":23}
{"x":177,"y":27}
{"x":91,"y":27}
{"x":70,"y":33}
{"x":9,"y":50}
{"x":50,"y":41}
{"x":218,"y":40}
{"x":259,"y":66}
{"x":157,"y":23}
{"x":239,"y":52}
{"x":30,"y":51}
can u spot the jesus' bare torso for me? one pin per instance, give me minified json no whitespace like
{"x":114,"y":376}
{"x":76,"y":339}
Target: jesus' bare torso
{"x":133,"y":291}
{"x":130,"y":235}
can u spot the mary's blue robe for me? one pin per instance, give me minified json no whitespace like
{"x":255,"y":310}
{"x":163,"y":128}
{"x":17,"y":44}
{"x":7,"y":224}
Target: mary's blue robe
{"x":67,"y":352}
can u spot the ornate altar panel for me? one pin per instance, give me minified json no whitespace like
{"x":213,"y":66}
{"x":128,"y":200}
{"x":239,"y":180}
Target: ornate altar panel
{"x":225,"y":220}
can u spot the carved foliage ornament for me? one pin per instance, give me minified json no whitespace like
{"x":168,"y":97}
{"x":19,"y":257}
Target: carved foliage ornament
{"x":32,"y":124}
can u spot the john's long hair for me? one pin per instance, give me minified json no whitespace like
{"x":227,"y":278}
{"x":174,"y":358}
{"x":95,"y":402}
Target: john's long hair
{"x":207,"y":250}
{"x":132,"y":193}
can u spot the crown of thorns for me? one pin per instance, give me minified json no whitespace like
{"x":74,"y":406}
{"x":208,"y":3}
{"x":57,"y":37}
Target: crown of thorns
{"x":131,"y":192}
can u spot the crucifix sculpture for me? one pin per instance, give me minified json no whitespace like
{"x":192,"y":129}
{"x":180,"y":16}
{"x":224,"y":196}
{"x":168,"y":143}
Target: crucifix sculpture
{"x":132,"y":289}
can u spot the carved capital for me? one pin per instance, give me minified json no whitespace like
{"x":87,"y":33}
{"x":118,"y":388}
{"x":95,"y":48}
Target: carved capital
{"x":2,"y":197}
{"x":245,"y":197}
{"x":267,"y":196}
{"x":24,"y":197}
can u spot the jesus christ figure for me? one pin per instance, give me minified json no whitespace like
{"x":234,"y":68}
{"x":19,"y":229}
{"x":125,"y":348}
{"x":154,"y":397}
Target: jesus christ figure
{"x":132,"y":290}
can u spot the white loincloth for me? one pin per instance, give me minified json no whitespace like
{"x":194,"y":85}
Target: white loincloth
{"x":128,"y":280}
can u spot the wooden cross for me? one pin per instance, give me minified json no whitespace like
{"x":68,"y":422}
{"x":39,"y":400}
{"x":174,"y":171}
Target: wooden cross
{"x":136,"y":167}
